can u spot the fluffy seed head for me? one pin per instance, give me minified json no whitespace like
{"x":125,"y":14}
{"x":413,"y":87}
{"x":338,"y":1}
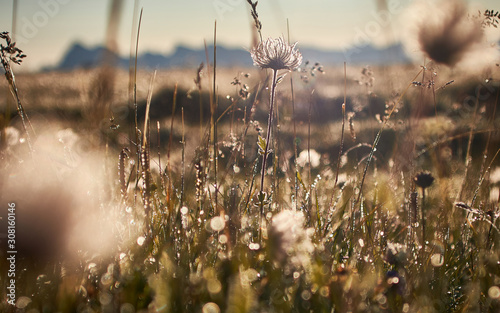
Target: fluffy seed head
{"x":447,"y":38}
{"x":276,"y":54}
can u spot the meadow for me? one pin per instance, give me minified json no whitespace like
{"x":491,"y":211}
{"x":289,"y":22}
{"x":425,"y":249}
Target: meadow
{"x":145,"y":192}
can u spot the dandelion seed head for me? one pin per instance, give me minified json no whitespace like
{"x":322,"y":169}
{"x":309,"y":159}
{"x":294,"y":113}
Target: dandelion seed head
{"x":276,"y":54}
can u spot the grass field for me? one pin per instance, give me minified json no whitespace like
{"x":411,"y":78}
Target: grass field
{"x":381,"y":190}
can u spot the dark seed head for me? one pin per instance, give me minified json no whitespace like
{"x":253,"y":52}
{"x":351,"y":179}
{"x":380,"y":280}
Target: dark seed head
{"x":424,"y":179}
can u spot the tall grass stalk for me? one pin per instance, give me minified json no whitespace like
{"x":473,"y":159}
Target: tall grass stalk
{"x":294,"y":121}
{"x":341,"y":136}
{"x":469,"y":146}
{"x":136,"y":121}
{"x":170,"y":182}
{"x":146,"y":155}
{"x":183,"y":156}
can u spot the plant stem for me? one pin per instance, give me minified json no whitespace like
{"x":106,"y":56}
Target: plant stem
{"x":423,"y":216}
{"x":268,"y":136}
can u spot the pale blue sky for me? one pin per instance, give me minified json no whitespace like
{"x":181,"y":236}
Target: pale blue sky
{"x":46,"y":28}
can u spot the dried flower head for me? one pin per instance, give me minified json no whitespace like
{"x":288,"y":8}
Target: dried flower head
{"x":424,"y":179}
{"x":276,"y":54}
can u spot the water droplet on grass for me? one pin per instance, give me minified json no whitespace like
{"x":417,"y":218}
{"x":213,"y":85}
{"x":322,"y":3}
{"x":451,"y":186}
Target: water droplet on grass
{"x":223,"y":239}
{"x":437,"y":260}
{"x":217,"y":223}
{"x":141,"y":240}
{"x":254,"y":246}
{"x":494,"y":292}
{"x":214,"y":286}
{"x":210,"y":308}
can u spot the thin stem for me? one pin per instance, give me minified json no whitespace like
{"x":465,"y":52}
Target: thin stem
{"x":341,"y":136}
{"x":295,"y":185}
{"x":268,"y":136}
{"x":423,"y":216}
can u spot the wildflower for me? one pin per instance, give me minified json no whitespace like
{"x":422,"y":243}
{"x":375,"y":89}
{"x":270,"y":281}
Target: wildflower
{"x":424,"y":179}
{"x":276,"y":54}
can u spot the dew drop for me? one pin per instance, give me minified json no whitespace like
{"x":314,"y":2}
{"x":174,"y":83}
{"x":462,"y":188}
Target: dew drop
{"x":210,"y":307}
{"x":141,"y":240}
{"x":217,"y":223}
{"x":437,"y":260}
{"x":223,"y":239}
{"x":494,"y":292}
{"x":253,"y":246}
{"x":214,"y":286}
{"x":306,"y":295}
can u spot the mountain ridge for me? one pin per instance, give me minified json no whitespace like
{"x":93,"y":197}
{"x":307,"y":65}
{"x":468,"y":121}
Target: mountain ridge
{"x":79,"y":56}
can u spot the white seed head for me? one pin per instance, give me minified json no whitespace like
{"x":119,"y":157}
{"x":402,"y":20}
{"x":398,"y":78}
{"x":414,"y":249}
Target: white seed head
{"x":276,"y":54}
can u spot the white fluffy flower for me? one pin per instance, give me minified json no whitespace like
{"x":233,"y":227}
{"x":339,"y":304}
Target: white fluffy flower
{"x":290,"y":242}
{"x":276,"y":54}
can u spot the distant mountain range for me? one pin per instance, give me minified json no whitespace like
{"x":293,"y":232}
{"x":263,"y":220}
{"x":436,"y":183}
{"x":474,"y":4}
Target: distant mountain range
{"x":79,"y":56}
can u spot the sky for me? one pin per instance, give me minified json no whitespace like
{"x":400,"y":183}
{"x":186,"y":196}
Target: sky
{"x":45,"y":29}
